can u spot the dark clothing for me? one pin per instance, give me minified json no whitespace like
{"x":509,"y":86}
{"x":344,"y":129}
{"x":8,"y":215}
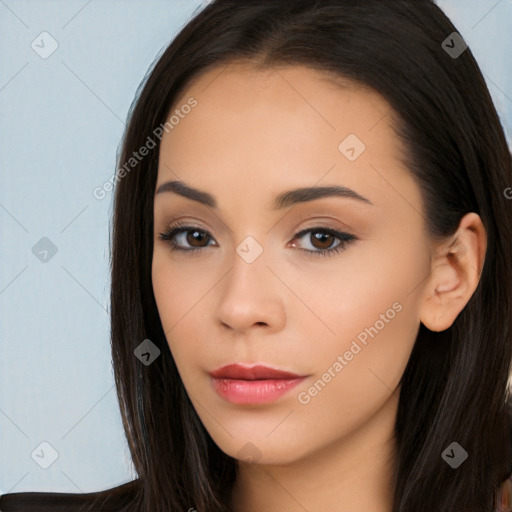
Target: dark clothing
{"x":117,"y":499}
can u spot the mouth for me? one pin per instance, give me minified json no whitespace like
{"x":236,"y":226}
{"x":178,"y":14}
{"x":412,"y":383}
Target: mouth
{"x":258,"y":384}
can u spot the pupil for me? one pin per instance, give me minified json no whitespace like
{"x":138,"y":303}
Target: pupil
{"x":196,"y":236}
{"x":325,"y":236}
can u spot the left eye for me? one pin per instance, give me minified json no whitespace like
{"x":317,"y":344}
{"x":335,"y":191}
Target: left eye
{"x":321,"y":239}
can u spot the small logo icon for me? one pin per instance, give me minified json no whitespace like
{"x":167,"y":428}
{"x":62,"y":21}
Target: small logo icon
{"x":249,"y":452}
{"x":147,"y":352}
{"x":45,"y":455}
{"x":454,"y":45}
{"x":351,"y":147}
{"x":44,"y":45}
{"x":44,"y":250}
{"x":249,"y":249}
{"x":454,"y":455}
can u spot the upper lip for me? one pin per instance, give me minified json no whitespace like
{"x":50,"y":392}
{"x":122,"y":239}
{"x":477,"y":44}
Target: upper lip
{"x":257,"y":372}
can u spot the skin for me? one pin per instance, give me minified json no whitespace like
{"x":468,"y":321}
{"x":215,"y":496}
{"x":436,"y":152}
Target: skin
{"x":252,"y":135}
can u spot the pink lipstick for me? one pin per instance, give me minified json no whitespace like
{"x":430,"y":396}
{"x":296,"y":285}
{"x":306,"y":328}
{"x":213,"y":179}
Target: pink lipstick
{"x":258,"y":384}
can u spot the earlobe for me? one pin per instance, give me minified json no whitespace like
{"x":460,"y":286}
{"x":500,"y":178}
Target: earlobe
{"x":456,"y":268}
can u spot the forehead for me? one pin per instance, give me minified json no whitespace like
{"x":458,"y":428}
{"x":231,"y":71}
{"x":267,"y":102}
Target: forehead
{"x":260,"y":129}
{"x":294,"y":103}
{"x":238,"y":83}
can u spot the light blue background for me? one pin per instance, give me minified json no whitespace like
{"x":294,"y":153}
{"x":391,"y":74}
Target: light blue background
{"x":61,"y":122}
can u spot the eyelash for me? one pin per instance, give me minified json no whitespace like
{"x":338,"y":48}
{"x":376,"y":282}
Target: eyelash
{"x":179,"y":227}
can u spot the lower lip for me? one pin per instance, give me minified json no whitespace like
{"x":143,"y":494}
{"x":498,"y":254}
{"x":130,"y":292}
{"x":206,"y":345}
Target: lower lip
{"x":253,"y":391}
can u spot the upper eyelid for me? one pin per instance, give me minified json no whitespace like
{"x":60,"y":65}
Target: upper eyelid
{"x":184,"y":226}
{"x":323,"y":221}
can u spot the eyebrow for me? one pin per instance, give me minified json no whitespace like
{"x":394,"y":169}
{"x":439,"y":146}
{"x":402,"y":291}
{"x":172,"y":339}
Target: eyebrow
{"x":283,"y":200}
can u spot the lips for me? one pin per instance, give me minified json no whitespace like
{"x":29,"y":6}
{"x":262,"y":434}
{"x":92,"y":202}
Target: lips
{"x":252,"y":385}
{"x":258,"y":372}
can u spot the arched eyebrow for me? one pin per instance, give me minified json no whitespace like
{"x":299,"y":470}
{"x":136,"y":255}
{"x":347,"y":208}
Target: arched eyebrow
{"x":282,"y":200}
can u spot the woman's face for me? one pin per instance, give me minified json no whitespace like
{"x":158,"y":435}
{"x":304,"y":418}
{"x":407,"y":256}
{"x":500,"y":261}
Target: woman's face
{"x":338,"y":305}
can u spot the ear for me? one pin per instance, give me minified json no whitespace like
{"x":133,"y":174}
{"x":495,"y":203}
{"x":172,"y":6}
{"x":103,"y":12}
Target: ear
{"x":455,"y":272}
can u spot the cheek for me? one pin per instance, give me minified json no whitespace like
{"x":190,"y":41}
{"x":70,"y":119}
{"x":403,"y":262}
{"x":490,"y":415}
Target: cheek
{"x":374,"y":317}
{"x":367,"y":308}
{"x":179,"y":289}
{"x":178,"y":286}
{"x":355,"y":378}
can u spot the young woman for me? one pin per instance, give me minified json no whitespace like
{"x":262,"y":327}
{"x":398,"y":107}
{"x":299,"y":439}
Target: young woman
{"x":311,"y":273}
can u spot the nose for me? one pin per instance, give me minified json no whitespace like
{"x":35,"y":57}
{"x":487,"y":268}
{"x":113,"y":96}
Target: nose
{"x":252,"y":296}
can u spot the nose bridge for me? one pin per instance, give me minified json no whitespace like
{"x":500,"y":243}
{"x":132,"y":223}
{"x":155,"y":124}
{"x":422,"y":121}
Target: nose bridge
{"x":249,"y":296}
{"x":249,"y":267}
{"x":250,"y":249}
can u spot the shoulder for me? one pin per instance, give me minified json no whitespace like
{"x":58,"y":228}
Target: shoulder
{"x":117,"y":499}
{"x":503,"y":496}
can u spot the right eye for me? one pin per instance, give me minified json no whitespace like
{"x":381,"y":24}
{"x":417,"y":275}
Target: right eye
{"x":180,"y":234}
